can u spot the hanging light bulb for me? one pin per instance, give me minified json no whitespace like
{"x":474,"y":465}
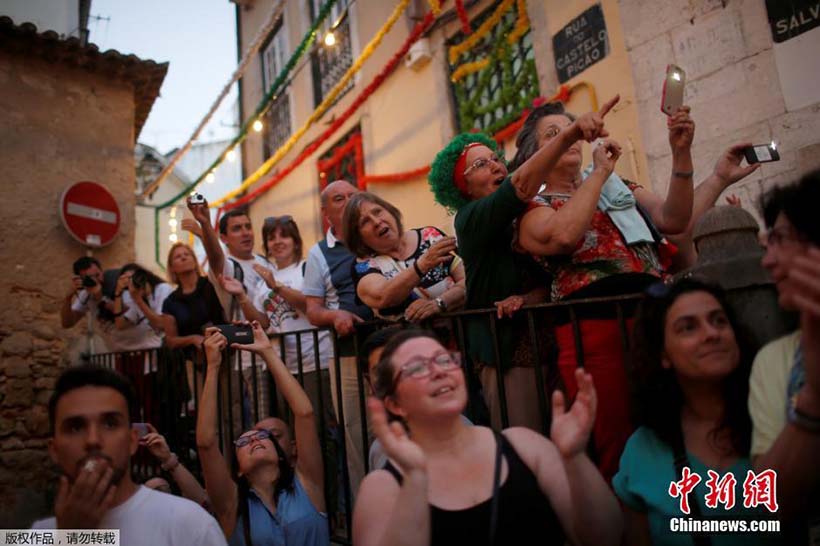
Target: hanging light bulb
{"x":231,"y":155}
{"x":173,"y":223}
{"x":172,"y":237}
{"x":173,"y":212}
{"x":210,"y":178}
{"x":330,"y":39}
{"x":257,"y":125}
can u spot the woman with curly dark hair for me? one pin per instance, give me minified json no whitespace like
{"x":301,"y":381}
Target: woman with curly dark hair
{"x":690,"y":378}
{"x":470,"y":178}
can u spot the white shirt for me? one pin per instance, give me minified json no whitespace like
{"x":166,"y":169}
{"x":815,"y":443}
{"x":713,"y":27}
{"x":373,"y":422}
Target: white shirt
{"x":141,"y":335}
{"x":284,"y":318}
{"x":152,"y":518}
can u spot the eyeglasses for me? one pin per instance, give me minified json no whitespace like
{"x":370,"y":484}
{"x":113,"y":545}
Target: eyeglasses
{"x":778,"y":236}
{"x":271,"y":221}
{"x":420,"y":367}
{"x":552,"y":131}
{"x":260,"y":435}
{"x":485,"y":161}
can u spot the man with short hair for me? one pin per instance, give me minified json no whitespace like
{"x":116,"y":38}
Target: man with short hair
{"x":331,"y":303}
{"x":237,"y":285}
{"x":784,"y":390}
{"x":92,"y":443}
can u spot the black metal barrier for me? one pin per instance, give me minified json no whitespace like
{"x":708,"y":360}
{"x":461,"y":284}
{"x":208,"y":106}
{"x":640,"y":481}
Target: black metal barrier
{"x":169,"y":382}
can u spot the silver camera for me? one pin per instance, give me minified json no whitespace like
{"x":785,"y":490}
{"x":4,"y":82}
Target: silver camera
{"x":197,"y":199}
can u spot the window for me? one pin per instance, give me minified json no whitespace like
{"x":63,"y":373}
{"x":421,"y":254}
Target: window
{"x":277,"y":117}
{"x":329,"y":63}
{"x":493,"y":97}
{"x":343,"y":160}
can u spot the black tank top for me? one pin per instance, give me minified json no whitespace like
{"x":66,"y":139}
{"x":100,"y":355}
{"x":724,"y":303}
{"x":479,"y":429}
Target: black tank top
{"x":525,"y":515}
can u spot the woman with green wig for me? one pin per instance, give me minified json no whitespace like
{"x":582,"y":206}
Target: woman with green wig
{"x":469,"y":177}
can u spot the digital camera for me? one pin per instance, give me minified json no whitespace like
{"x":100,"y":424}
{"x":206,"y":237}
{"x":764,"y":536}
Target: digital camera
{"x":197,"y":199}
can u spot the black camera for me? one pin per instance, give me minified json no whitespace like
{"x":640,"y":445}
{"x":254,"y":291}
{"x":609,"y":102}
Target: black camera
{"x":237,"y":333}
{"x":139,"y":278}
{"x":88,"y":282}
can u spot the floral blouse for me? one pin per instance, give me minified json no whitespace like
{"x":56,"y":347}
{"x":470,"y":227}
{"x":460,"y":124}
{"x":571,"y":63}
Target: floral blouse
{"x":434,"y":283}
{"x":600,"y":253}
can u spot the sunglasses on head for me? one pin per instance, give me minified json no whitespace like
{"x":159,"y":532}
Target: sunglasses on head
{"x":278,"y":220}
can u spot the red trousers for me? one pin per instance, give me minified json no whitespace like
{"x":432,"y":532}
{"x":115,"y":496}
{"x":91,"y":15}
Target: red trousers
{"x":604,"y":360}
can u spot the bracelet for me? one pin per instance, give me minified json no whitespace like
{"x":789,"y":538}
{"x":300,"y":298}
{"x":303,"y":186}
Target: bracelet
{"x":170,"y":463}
{"x":418,"y":269}
{"x":683,"y":174}
{"x":802,"y":420}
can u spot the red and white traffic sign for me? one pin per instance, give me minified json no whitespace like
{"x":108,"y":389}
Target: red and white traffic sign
{"x":90,"y":213}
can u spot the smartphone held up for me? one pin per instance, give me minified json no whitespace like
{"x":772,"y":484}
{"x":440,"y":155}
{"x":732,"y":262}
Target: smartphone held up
{"x":673,"y":85}
{"x":761,"y":153}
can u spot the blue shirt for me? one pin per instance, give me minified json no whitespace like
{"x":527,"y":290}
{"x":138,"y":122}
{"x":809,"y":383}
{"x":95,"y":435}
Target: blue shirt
{"x":295,"y":523}
{"x":642,"y":483}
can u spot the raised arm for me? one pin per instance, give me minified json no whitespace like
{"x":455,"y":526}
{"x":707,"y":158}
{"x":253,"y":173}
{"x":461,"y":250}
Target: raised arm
{"x":379,"y":292}
{"x":188,"y":484}
{"x":527,"y":179}
{"x":210,"y":239}
{"x":582,"y":500}
{"x":672,"y":215}
{"x":309,"y":464}
{"x":547,"y":232}
{"x":218,"y":483}
{"x":387,"y":514}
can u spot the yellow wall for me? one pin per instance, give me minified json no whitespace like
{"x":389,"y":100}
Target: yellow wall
{"x":409,"y":118}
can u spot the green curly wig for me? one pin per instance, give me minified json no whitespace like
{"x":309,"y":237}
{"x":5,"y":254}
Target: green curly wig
{"x":441,"y":171}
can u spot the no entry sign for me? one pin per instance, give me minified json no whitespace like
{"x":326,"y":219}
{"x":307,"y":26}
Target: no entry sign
{"x":90,"y":213}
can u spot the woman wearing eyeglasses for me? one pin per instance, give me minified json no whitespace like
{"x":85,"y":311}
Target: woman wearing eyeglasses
{"x":690,"y":377}
{"x":450,"y":483}
{"x":599,"y":236}
{"x":412,"y":273}
{"x":469,"y":177}
{"x":268,"y":501}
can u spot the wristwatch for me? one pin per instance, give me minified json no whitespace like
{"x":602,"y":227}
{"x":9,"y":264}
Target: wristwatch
{"x":808,"y":423}
{"x":442,"y":305}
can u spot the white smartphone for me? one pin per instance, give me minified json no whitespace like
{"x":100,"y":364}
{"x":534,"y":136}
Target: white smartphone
{"x":673,"y":89}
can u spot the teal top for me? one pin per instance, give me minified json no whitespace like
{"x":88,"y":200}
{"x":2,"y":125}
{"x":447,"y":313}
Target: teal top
{"x":642,"y":483}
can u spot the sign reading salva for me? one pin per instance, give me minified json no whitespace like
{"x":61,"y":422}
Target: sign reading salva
{"x":796,"y":37}
{"x":580,"y":44}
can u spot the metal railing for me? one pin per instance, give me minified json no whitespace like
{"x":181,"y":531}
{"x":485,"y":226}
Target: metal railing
{"x":168,"y":384}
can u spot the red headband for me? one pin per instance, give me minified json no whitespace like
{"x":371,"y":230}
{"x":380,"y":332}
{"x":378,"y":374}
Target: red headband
{"x":461,"y":166}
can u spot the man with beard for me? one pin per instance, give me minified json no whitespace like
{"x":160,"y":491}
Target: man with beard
{"x":92,"y":443}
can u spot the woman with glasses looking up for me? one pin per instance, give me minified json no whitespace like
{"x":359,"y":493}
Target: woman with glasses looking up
{"x":690,"y":380}
{"x":599,"y":236}
{"x":451,"y":483}
{"x":268,"y":501}
{"x":470,"y":178}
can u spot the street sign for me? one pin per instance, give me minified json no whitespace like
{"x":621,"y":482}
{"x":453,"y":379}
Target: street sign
{"x":581,"y":43}
{"x":90,"y":213}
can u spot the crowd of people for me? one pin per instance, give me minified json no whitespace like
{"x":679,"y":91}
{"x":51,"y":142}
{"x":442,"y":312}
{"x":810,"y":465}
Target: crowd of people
{"x":689,"y":397}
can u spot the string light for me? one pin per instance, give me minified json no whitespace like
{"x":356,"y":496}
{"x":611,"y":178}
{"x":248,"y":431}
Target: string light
{"x":172,"y":237}
{"x":210,"y":178}
{"x":173,"y":223}
{"x":257,"y":126}
{"x":231,"y":155}
{"x":330,"y":39}
{"x":173,"y":212}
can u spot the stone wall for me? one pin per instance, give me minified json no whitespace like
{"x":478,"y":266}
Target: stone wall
{"x":725,"y":47}
{"x":57,"y":126}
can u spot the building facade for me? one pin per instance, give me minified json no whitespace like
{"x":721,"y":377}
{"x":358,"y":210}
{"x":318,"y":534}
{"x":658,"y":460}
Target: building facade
{"x":595,"y":49}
